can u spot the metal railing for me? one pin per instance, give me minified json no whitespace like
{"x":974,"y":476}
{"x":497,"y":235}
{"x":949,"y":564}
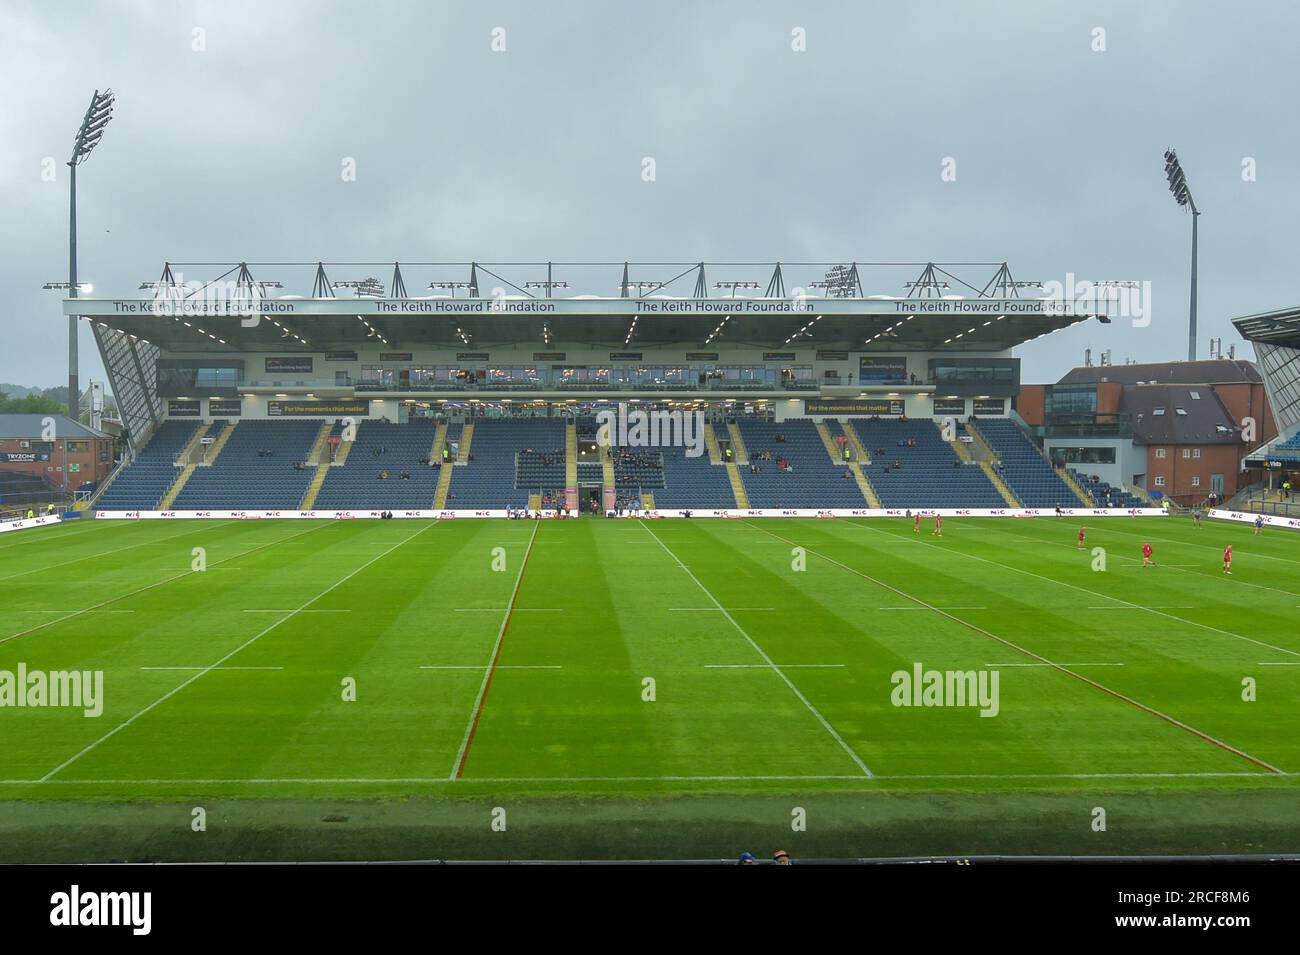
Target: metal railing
{"x":1267,"y":502}
{"x":361,"y":387}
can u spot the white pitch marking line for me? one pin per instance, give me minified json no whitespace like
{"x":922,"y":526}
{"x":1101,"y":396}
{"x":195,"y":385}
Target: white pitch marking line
{"x":247,"y":643}
{"x":165,"y":580}
{"x":1042,"y":659}
{"x":68,"y":526}
{"x":716,"y":609}
{"x":764,"y":666}
{"x":1238,"y":582}
{"x":939,"y":608}
{"x":118,"y":550}
{"x":475,"y":666}
{"x":1289,"y":663}
{"x":495,"y":780}
{"x":766,"y":659}
{"x":1123,"y":607}
{"x":211,"y":668}
{"x":1085,"y":590}
{"x":69,"y":611}
{"x":300,"y":611}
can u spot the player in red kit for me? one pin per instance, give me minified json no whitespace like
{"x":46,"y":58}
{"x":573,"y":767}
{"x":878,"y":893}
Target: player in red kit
{"x":1146,"y":556}
{"x":938,"y":525}
{"x":1227,"y":559}
{"x":1079,"y":546}
{"x":916,"y":523}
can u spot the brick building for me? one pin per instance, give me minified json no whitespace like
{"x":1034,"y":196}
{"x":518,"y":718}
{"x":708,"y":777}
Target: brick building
{"x":1177,"y":429}
{"x":61,"y":451}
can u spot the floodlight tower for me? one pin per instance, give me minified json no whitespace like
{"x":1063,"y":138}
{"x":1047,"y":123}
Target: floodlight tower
{"x":1183,"y":196}
{"x":88,"y":136}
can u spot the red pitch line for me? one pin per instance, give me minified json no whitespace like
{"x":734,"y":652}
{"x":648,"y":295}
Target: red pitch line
{"x":1041,"y":659}
{"x":496,"y":656}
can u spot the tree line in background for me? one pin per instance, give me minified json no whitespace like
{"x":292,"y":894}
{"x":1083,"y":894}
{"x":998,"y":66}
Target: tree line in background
{"x":17,"y":399}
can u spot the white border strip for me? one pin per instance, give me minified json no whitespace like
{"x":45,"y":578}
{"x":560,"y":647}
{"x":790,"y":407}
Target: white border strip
{"x":697,"y":513}
{"x":23,"y":525}
{"x":1269,"y":519}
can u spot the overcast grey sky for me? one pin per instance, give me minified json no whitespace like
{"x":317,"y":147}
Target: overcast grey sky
{"x":762,"y":153}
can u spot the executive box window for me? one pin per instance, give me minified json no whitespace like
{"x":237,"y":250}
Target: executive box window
{"x":968,"y":377}
{"x":1070,"y":401}
{"x":953,"y":370}
{"x":183,"y":378}
{"x":1082,"y":455}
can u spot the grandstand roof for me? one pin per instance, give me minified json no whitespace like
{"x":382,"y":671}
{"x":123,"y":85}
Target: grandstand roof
{"x":973,"y":324}
{"x":1278,"y":327}
{"x":1217,"y":371}
{"x":32,"y":427}
{"x":1178,"y":414}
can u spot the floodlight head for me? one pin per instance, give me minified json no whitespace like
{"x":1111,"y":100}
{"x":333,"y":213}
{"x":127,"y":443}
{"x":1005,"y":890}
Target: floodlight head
{"x":92,"y":127}
{"x":1178,"y":181}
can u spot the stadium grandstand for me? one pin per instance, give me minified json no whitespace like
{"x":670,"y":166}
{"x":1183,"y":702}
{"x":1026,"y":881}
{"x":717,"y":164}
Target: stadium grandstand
{"x":485,"y":396}
{"x":1276,"y":338}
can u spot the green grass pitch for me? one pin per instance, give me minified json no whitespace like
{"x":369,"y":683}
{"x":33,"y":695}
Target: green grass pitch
{"x":503,"y":676}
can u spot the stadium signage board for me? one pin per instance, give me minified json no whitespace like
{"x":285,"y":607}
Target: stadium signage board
{"x":1265,"y":464}
{"x":341,"y":356}
{"x":473,"y":356}
{"x":23,"y":525}
{"x":853,"y":406}
{"x":717,"y":307}
{"x":1249,"y":518}
{"x":396,"y":356}
{"x":23,"y":457}
{"x":315,"y":408}
{"x":993,"y":406}
{"x":298,"y":364}
{"x":702,"y":513}
{"x":882,"y":370}
{"x":183,"y":409}
{"x":949,"y":406}
{"x":225,"y":408}
{"x":778,"y":356}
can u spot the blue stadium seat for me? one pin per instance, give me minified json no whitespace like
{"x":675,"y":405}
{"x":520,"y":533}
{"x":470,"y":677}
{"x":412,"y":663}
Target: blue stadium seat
{"x":813,"y":479}
{"x":384,"y":446}
{"x":241,"y":479}
{"x":1029,"y":475}
{"x":144,"y":482}
{"x":930,"y":473}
